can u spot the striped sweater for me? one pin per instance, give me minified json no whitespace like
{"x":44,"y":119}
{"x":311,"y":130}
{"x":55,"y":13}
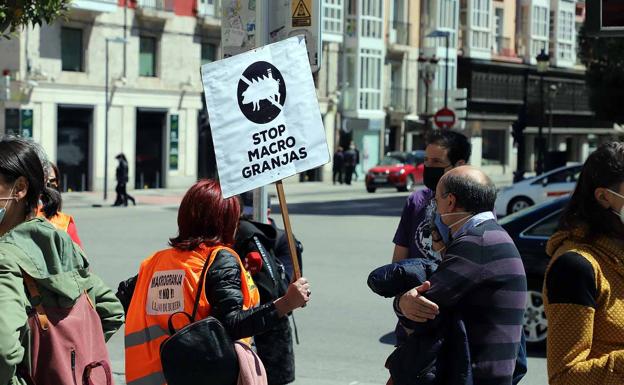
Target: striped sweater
{"x":482,"y":277}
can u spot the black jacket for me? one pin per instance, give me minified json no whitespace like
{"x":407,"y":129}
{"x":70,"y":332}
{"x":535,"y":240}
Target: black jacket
{"x":275,"y":346}
{"x":121,"y":173}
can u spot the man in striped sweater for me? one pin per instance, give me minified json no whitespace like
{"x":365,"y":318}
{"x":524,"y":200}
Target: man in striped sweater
{"x":481,"y":277}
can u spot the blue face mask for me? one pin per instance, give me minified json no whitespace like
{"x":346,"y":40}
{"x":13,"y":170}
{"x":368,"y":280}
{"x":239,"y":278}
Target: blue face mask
{"x":10,"y":198}
{"x":444,"y":230}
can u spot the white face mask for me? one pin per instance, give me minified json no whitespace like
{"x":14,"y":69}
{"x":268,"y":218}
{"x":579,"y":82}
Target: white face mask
{"x":621,"y":213}
{"x":8,"y":199}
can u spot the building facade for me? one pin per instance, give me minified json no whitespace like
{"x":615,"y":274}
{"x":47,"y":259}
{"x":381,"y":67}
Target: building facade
{"x":503,"y":81}
{"x":155,"y":48}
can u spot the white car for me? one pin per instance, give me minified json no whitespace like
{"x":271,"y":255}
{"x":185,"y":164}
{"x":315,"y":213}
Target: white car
{"x":548,"y":186}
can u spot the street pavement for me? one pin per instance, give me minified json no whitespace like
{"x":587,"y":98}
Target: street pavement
{"x":345,"y":331}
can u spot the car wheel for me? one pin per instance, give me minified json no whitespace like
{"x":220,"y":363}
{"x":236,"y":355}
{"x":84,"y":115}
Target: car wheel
{"x":370,"y":189}
{"x":519,"y":203}
{"x":535,"y":322}
{"x":409,"y":184}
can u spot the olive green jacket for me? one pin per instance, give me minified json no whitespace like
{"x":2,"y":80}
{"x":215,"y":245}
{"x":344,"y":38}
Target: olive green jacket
{"x":62,"y":274}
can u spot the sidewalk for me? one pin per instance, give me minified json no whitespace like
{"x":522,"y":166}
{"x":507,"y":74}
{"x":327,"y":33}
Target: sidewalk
{"x":295,"y":192}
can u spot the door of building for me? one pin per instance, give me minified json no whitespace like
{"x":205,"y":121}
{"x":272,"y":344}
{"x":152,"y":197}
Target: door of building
{"x":151,"y":128}
{"x":73,"y":150}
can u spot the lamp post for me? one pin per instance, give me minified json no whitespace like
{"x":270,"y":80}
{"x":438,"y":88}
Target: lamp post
{"x":429,"y":66}
{"x":542,"y":66}
{"x":552,"y":93}
{"x":446,"y":35}
{"x":107,"y":107}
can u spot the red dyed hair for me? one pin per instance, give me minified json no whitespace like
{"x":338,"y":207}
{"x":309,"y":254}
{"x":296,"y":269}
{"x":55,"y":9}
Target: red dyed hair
{"x":205,"y":218}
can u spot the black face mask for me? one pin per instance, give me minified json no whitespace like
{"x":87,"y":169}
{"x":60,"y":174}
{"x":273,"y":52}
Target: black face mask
{"x":432,"y":175}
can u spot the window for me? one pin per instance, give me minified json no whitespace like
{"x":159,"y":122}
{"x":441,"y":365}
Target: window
{"x":332,"y":16}
{"x":71,"y":49}
{"x":545,"y":228}
{"x":448,"y":20}
{"x":372,"y":21}
{"x":493,"y":146}
{"x":370,"y":79}
{"x":208,"y":53}
{"x":480,"y":28}
{"x":540,"y":22}
{"x":565,"y":176}
{"x":566,"y":25}
{"x":147,"y":56}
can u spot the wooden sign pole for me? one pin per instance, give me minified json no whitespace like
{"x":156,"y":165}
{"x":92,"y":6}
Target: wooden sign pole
{"x":289,"y":235}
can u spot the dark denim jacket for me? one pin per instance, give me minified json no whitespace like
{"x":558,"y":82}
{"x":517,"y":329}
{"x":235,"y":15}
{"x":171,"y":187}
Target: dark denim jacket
{"x":430,"y":355}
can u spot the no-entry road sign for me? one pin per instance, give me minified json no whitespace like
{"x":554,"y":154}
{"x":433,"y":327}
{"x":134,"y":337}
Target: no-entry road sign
{"x":444,"y":118}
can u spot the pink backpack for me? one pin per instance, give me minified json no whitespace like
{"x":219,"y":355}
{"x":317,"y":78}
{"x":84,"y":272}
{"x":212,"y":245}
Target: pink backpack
{"x":67,"y":344}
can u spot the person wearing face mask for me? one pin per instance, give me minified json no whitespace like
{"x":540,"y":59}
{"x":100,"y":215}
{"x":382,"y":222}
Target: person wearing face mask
{"x":445,"y":150}
{"x":584,"y":282}
{"x":480,"y":280}
{"x":30,"y":246}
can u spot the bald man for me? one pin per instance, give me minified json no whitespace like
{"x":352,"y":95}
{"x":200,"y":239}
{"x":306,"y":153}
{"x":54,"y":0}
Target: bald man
{"x":481,"y":278}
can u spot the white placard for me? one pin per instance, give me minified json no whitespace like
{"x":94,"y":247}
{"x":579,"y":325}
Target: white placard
{"x":165,"y":294}
{"x":264,"y":115}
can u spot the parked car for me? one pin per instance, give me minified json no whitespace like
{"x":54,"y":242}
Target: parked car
{"x":401,"y":170}
{"x":530,"y":230}
{"x":532,"y":191}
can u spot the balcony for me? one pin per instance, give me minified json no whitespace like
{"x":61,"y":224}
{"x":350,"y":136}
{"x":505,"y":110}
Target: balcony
{"x":155,"y":9}
{"x":399,"y":33}
{"x":97,"y":6}
{"x":401,"y":99}
{"x":209,"y":11}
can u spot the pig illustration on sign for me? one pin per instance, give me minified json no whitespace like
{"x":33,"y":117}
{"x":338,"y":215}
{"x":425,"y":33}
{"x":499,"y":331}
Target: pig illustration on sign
{"x":262,"y":88}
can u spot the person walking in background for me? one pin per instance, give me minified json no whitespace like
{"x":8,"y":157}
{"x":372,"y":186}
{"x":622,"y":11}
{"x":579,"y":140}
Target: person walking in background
{"x":207,"y":225}
{"x":584,"y":283}
{"x":338,"y":165}
{"x":32,"y":250}
{"x":349,"y":163}
{"x":60,"y":220}
{"x":121,"y":174}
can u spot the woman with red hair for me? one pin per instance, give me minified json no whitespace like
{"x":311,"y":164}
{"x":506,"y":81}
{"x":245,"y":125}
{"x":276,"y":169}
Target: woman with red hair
{"x":169,"y":280}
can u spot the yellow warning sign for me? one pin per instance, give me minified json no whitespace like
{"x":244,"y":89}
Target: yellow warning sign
{"x":301,"y":15}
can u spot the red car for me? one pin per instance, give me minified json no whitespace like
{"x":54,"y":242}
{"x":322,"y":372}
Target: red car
{"x":401,"y":170}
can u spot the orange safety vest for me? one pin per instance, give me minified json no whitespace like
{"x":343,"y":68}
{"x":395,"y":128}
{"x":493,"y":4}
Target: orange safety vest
{"x":166,"y":284}
{"x":60,"y":220}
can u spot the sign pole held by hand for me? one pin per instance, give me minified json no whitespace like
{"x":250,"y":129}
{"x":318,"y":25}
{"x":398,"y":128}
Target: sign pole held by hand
{"x":289,"y":235}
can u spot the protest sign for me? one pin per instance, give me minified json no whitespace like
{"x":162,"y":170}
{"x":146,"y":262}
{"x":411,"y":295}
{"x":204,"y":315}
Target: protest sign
{"x":264,"y":116}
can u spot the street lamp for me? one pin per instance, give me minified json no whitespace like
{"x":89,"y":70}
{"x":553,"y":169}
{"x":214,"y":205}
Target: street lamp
{"x":543,"y":61}
{"x":446,"y":35}
{"x":107,"y":104}
{"x":552,"y":93}
{"x":428,"y":68}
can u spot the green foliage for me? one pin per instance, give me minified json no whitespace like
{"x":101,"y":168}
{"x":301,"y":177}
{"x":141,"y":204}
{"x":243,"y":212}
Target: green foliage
{"x":15,"y":14}
{"x":604,"y":59}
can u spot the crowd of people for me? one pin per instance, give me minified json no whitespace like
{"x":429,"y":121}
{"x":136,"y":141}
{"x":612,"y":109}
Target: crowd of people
{"x":456,"y":277}
{"x":344,"y":164}
{"x":459,"y":283}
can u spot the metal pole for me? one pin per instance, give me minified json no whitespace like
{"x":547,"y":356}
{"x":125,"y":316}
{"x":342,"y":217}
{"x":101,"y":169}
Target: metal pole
{"x":426,"y":105}
{"x":446,"y":70}
{"x":540,"y":133}
{"x":260,"y":198}
{"x":550,"y":118}
{"x":106,"y":125}
{"x":521,"y":144}
{"x":125,"y":36}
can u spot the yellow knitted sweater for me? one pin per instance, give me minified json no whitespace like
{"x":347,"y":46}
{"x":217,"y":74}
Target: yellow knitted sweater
{"x":586,"y":343}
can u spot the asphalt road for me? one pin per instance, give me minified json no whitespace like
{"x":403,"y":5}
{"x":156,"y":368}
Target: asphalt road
{"x":344,"y":332}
